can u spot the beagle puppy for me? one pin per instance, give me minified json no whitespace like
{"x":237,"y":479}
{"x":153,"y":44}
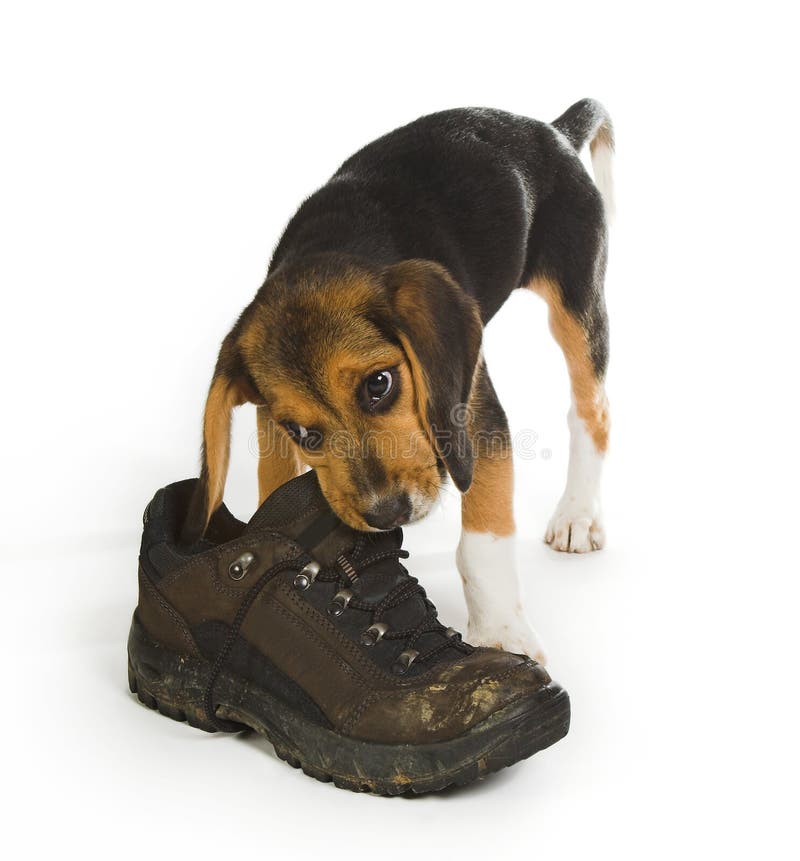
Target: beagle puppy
{"x":362,"y":349}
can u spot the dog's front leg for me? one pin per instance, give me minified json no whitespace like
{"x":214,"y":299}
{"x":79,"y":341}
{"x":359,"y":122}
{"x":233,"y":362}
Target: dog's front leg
{"x":486,"y":556}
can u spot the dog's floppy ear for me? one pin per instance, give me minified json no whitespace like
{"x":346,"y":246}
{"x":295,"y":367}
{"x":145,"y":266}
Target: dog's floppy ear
{"x":231,"y":386}
{"x":440,"y":329}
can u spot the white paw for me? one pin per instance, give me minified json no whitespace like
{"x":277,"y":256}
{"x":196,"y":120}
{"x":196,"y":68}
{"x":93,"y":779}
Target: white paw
{"x":575,"y":529}
{"x":515,"y":636}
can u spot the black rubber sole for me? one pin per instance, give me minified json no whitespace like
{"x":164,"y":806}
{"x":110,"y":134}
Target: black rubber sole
{"x":175,"y":685}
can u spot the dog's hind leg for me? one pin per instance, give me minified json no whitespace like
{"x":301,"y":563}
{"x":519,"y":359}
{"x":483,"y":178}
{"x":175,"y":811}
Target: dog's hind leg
{"x":486,"y":555}
{"x":567,"y":262}
{"x":576,"y":525}
{"x":569,"y":278}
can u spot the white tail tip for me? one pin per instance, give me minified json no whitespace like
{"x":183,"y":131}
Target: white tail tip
{"x":602,"y":160}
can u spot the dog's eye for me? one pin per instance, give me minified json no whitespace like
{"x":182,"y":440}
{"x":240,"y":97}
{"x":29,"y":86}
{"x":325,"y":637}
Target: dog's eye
{"x":378,"y":386}
{"x":378,"y":391}
{"x":307,"y":438}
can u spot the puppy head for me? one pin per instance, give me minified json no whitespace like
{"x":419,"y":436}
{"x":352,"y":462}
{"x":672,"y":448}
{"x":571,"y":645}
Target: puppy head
{"x":367,"y":372}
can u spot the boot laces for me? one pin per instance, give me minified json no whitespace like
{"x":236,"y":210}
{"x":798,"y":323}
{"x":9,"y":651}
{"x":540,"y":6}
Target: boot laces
{"x":347,"y":571}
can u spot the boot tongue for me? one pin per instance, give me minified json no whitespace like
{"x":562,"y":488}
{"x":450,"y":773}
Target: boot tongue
{"x":291,"y":507}
{"x":299,"y":510}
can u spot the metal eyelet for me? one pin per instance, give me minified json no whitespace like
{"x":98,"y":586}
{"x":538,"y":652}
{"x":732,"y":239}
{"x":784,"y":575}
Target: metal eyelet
{"x":238,"y":568}
{"x":339,"y":602}
{"x":304,"y":578}
{"x":374,"y":633}
{"x":404,"y":661}
{"x":450,"y":633}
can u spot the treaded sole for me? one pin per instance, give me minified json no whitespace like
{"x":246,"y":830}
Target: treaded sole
{"x":522,"y":739}
{"x":174,"y":686}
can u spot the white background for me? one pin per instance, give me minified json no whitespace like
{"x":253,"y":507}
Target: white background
{"x":151,"y":154}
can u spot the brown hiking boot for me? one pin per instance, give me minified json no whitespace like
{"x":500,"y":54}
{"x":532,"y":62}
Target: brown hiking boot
{"x":315,"y":635}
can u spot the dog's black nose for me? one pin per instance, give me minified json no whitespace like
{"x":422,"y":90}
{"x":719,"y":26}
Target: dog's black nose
{"x":391,"y":511}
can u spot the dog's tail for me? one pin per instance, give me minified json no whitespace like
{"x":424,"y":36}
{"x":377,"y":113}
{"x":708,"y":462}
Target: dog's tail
{"x":588,"y":120}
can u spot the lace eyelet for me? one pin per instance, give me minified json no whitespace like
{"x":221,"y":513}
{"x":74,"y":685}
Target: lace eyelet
{"x":339,"y":602}
{"x":238,"y":568}
{"x":450,"y":633}
{"x":404,"y":661}
{"x":304,"y":578}
{"x":374,"y":633}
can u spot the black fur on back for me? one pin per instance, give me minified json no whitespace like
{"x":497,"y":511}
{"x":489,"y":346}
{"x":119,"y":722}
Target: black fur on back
{"x":494,"y":197}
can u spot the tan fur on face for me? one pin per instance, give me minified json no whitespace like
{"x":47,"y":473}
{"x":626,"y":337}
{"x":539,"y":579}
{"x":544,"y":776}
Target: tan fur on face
{"x":395,"y":438}
{"x":587,"y":389}
{"x":322,"y":394}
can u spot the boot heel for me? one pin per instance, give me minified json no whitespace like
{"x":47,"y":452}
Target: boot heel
{"x":172,"y":684}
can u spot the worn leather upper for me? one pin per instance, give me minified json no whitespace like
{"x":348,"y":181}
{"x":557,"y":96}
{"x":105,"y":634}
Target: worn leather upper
{"x":185,"y":591}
